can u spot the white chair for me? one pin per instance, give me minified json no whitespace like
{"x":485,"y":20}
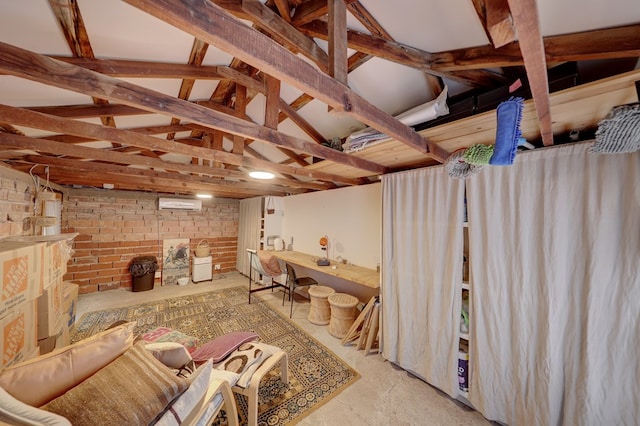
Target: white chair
{"x":256,"y":265}
{"x":251,"y":391}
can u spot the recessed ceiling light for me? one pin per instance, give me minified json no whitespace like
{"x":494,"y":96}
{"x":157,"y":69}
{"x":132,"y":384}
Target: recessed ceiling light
{"x":262,"y":175}
{"x":207,"y":196}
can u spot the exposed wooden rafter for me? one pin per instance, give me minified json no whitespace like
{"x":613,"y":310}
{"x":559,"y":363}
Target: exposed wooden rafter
{"x":41,"y":68}
{"x":214,"y":25}
{"x":525,"y":17}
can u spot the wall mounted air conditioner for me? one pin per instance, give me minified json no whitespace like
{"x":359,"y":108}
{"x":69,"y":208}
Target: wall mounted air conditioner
{"x":179,"y":204}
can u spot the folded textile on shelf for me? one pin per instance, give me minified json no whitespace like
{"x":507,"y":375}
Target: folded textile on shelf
{"x":419,"y":114}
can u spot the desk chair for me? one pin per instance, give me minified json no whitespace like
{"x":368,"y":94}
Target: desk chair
{"x":294,"y":282}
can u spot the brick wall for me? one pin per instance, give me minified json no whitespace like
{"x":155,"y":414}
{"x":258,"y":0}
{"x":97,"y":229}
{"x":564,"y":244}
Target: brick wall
{"x":116,"y":226}
{"x":16,"y":202}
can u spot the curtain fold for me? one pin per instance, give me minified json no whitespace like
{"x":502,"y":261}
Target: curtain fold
{"x":555,"y":291}
{"x":249,"y":226}
{"x":422,"y":274}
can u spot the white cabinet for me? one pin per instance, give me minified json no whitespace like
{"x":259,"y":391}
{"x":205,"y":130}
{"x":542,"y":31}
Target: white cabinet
{"x":201,"y":270}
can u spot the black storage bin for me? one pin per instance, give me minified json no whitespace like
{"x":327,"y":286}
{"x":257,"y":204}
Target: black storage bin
{"x":143,"y":270}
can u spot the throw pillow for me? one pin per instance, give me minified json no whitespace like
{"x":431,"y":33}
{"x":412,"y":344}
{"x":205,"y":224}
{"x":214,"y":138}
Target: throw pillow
{"x":171,"y":354}
{"x":220,"y":347}
{"x":37,"y":381}
{"x":164,"y":334}
{"x":14,"y":412}
{"x":132,"y":390}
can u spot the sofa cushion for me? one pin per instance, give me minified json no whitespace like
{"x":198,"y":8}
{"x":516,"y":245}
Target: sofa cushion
{"x":220,"y":347}
{"x":132,"y":390}
{"x":14,"y":412}
{"x":39,"y":380}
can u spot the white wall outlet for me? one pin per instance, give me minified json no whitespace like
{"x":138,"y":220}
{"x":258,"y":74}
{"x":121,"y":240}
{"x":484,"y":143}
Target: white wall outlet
{"x":216,"y":267}
{"x":158,"y":274}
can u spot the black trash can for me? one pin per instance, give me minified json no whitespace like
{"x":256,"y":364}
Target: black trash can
{"x":143,"y":270}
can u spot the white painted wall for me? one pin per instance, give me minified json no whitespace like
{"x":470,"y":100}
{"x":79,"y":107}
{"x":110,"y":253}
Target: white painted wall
{"x":350,"y":217}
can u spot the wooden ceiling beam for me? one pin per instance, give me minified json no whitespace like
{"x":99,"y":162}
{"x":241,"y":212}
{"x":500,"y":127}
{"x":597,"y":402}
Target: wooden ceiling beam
{"x":198,"y":52}
{"x":180,"y":184}
{"x":499,"y":23}
{"x":525,"y":18}
{"x":33,"y":66}
{"x":375,"y":28}
{"x":283,"y":31}
{"x":308,"y":11}
{"x":217,"y":27}
{"x":137,"y":138}
{"x":75,"y":151}
{"x":283,"y":9}
{"x":95,"y":168}
{"x":338,"y":40}
{"x":71,"y":23}
{"x":401,"y":54}
{"x":610,"y":43}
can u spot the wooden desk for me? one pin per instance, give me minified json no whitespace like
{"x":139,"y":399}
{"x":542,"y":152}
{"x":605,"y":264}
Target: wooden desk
{"x":357,"y":274}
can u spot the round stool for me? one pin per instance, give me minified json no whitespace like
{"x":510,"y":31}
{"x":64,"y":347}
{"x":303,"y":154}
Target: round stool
{"x":343,"y":313}
{"x":320,"y":311}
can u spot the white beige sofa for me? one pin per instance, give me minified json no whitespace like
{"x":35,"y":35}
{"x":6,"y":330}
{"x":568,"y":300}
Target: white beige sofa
{"x":107,"y":379}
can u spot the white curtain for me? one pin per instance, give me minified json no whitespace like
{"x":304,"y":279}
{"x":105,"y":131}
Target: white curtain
{"x":248,"y":231}
{"x":555,"y":309}
{"x":422,"y":273}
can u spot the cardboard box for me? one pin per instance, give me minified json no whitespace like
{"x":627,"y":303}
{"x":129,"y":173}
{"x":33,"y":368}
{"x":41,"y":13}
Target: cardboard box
{"x":18,"y":334}
{"x":57,"y":340}
{"x":21,"y":273}
{"x":50,"y":310}
{"x":56,"y":254}
{"x":70,"y":302}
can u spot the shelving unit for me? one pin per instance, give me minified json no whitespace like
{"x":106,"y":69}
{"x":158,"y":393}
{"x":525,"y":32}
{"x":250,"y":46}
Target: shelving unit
{"x":463,"y":354}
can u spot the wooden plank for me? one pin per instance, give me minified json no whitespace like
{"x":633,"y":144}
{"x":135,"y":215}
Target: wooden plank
{"x":40,"y":68}
{"x":373,"y":329}
{"x":215,"y":26}
{"x":338,"y":40}
{"x":353,"y":330}
{"x":525,"y":17}
{"x":499,"y":23}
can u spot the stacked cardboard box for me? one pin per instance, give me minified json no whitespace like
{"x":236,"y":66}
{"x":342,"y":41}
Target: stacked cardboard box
{"x":32,"y":300}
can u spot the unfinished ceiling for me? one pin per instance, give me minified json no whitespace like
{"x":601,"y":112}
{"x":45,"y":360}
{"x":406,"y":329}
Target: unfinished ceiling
{"x":188,"y":96}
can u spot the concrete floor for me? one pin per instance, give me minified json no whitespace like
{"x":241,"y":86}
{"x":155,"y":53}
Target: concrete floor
{"x":384,"y":395}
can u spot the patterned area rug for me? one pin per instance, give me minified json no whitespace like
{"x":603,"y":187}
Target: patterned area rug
{"x":315,"y":373}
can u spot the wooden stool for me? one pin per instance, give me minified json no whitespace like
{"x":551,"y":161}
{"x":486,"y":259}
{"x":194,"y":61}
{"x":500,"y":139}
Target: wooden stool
{"x":320,"y":311}
{"x":343,"y":313}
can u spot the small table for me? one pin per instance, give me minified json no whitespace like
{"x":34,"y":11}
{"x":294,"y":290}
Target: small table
{"x":343,"y":313}
{"x":320,"y":312}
